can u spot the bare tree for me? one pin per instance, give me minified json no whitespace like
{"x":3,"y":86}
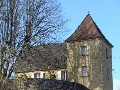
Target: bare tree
{"x":24,"y":23}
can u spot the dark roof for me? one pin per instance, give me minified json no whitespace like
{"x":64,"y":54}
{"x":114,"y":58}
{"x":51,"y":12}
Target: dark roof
{"x":87,"y":30}
{"x":41,"y":57}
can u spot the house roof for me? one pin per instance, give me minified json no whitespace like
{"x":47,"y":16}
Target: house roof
{"x":41,"y":57}
{"x":87,"y":30}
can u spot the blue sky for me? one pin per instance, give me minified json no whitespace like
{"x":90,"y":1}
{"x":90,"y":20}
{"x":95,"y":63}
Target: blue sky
{"x":106,"y":14}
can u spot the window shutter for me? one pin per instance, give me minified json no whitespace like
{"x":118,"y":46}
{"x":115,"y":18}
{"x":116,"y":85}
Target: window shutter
{"x":63,"y":75}
{"x":35,"y":75}
{"x":42,"y":75}
{"x":59,"y":75}
{"x":32,"y":75}
{"x":38,"y":75}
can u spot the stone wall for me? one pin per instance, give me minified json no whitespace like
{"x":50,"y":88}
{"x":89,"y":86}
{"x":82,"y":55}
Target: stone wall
{"x":94,"y":61}
{"x":107,"y":66}
{"x":46,"y":74}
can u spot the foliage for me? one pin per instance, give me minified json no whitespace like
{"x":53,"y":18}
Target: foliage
{"x":24,"y":23}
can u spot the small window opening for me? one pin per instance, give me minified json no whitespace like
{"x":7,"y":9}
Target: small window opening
{"x":83,"y":50}
{"x":84,"y":71}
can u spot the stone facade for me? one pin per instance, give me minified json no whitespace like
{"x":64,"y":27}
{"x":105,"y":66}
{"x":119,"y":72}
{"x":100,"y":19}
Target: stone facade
{"x":107,"y":66}
{"x":60,"y":74}
{"x":89,"y":59}
{"x":96,"y":61}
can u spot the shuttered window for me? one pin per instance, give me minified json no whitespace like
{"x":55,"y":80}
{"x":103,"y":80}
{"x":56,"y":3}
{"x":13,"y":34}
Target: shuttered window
{"x":62,"y":75}
{"x":36,"y":75}
{"x":39,"y":75}
{"x":42,"y":75}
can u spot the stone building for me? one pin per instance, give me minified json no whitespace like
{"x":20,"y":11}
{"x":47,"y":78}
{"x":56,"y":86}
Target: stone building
{"x":85,"y":57}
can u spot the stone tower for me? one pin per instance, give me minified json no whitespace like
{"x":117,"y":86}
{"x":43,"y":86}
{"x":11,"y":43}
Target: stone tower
{"x":89,"y":60}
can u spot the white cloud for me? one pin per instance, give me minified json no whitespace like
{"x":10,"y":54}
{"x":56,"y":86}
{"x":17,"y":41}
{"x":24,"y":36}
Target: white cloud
{"x":116,"y":84}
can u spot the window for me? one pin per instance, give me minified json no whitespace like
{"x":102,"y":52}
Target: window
{"x":84,"y":71}
{"x":42,"y":75}
{"x":107,"y":73}
{"x":59,"y":75}
{"x":36,"y":75}
{"x":106,"y":53}
{"x":62,"y":75}
{"x":83,"y":50}
{"x":39,"y":75}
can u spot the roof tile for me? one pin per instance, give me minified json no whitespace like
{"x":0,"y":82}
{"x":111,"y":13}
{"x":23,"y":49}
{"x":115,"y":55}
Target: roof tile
{"x":87,"y":30}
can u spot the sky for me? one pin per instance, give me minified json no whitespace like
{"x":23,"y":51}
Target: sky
{"x":106,"y":14}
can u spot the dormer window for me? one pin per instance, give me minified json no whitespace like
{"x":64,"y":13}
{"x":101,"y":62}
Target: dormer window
{"x":83,"y":50}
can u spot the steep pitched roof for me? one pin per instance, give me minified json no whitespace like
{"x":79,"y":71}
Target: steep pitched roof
{"x":38,"y":58}
{"x":87,"y":30}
